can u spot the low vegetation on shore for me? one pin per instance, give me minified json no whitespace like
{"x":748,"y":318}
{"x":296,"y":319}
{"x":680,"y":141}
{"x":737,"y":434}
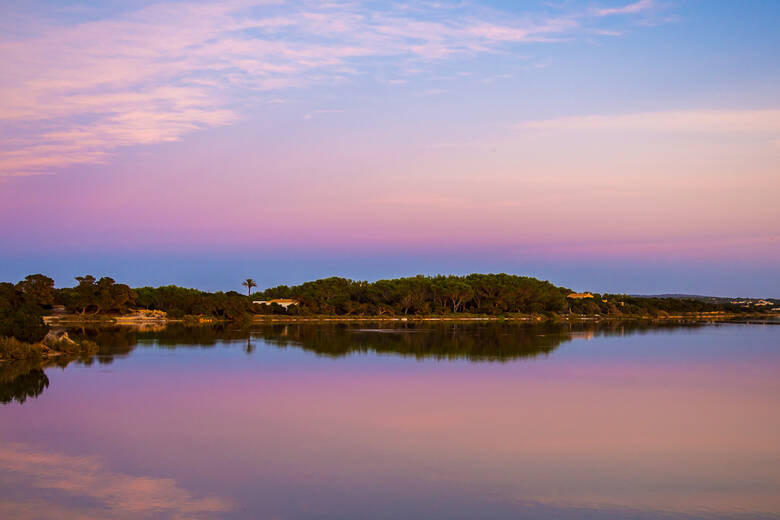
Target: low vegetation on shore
{"x":24,"y":336}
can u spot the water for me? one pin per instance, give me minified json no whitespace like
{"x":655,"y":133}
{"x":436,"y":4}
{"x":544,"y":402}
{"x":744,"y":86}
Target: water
{"x":443,"y":421}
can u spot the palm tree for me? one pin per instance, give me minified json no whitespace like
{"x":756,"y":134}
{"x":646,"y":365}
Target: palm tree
{"x":249,"y":283}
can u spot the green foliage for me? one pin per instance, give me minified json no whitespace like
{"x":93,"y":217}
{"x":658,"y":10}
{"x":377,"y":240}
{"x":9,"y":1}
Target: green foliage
{"x":179,"y":302}
{"x":12,"y":349}
{"x":501,"y":295}
{"x":38,"y":289}
{"x":485,"y":294}
{"x":476,"y":294}
{"x":20,"y":315}
{"x":102,"y":296}
{"x":249,"y":284}
{"x":621,"y":304}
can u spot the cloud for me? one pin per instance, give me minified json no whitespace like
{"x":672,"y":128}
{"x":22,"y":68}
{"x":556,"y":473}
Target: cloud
{"x":607,"y":32}
{"x":322,"y":111}
{"x":766,"y":121}
{"x":113,"y":494}
{"x":73,"y":93}
{"x":636,"y":7}
{"x":491,"y":79}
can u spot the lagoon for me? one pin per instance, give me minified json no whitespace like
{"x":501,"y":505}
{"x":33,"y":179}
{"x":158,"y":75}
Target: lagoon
{"x":443,"y":420}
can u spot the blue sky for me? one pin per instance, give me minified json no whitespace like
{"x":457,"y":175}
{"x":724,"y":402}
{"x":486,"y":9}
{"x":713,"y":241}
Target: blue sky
{"x":613,"y":145}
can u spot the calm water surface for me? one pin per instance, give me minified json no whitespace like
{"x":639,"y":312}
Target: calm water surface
{"x":433,"y":421}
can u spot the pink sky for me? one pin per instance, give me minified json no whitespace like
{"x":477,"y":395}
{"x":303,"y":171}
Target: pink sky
{"x":621,"y":132}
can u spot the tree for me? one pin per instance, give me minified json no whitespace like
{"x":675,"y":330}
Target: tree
{"x":113,"y":297}
{"x":249,"y":283}
{"x":85,"y":293}
{"x":457,"y":293}
{"x":19,"y":317}
{"x":39,"y":289}
{"x":104,"y":300}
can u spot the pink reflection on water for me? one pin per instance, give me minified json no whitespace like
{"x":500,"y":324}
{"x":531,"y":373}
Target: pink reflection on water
{"x":110,"y":494}
{"x":680,"y":437}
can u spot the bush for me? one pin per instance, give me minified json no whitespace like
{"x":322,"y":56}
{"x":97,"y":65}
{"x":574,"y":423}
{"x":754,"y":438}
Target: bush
{"x":20,"y":317}
{"x":88,"y":347}
{"x":13,"y":349}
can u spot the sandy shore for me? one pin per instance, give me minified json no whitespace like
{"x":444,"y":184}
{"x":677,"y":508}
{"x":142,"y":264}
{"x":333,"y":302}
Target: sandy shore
{"x":260,"y":319}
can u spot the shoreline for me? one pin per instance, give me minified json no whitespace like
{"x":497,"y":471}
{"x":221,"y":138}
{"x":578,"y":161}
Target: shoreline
{"x":63,"y":348}
{"x":268,"y":319}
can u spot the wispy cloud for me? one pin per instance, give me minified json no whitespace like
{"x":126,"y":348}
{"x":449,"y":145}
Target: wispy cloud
{"x":74,"y":93}
{"x":636,"y":7}
{"x":322,"y":111}
{"x":491,"y":79}
{"x":766,"y":121}
{"x":607,"y":32}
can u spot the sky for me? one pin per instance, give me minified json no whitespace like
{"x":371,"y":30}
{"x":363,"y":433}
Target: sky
{"x":613,"y":146}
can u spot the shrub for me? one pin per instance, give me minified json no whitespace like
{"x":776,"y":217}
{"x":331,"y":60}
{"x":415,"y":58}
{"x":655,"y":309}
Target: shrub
{"x":19,"y":317}
{"x":13,"y":349}
{"x":87,"y":347}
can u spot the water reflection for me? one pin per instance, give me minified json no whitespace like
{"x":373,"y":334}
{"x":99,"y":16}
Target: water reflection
{"x":22,"y":380}
{"x":108,"y":494}
{"x":305,"y":421}
{"x":472,"y":341}
{"x":476,"y":342}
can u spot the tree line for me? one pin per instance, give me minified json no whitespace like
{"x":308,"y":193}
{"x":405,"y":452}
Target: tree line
{"x":475,"y":294}
{"x":23,"y":304}
{"x":490,"y":294}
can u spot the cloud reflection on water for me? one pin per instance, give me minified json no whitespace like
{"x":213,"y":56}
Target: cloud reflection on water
{"x":104,"y":493}
{"x":487,"y":421}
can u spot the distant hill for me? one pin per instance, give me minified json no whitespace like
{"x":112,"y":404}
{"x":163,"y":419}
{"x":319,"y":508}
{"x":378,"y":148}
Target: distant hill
{"x":711,"y":299}
{"x":685,"y":297}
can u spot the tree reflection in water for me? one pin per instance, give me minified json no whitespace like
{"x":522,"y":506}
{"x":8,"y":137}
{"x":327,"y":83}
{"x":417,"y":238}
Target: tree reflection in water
{"x":476,"y":342}
{"x":20,"y":381}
